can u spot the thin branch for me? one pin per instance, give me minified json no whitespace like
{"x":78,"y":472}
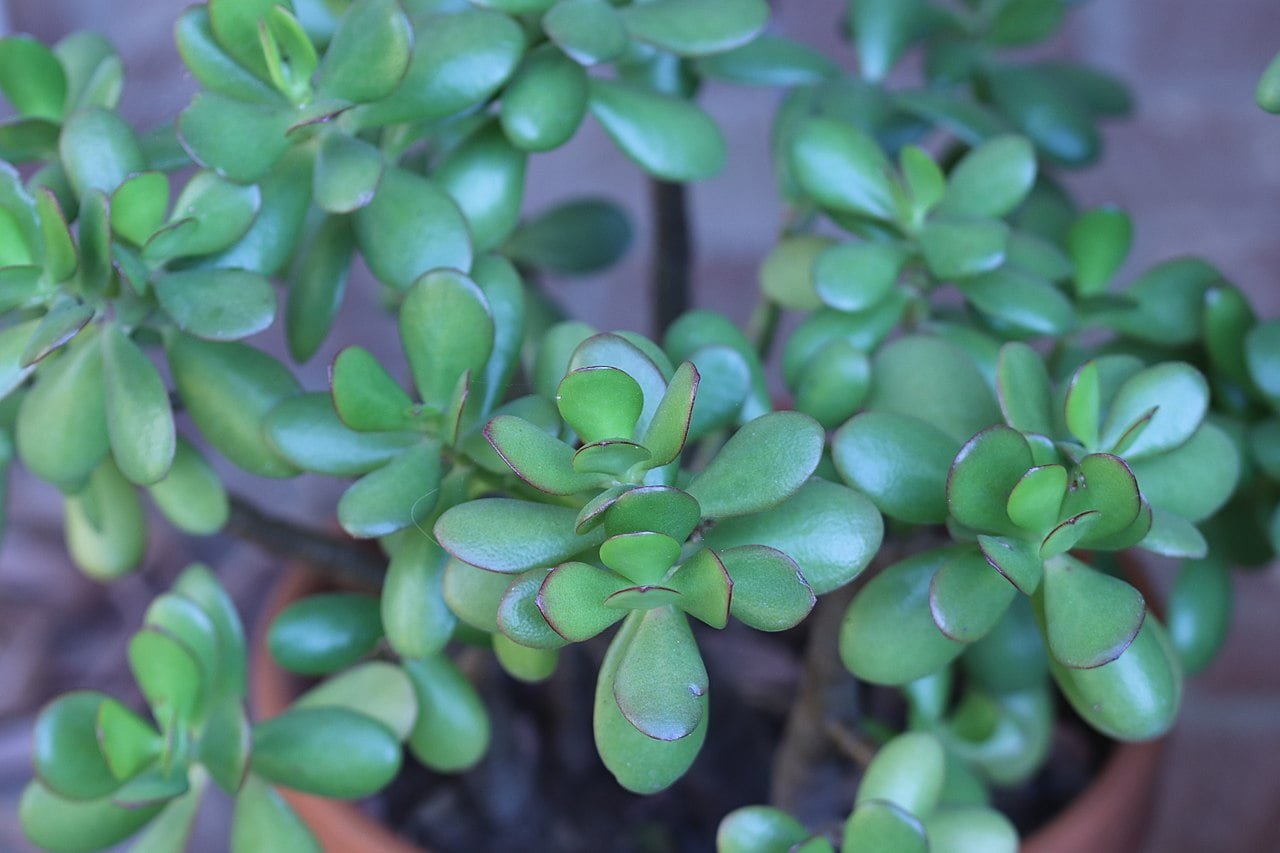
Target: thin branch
{"x":672,"y":253}
{"x":858,"y":750}
{"x":343,"y":559}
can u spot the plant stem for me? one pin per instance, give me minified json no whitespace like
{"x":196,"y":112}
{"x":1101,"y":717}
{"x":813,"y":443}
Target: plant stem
{"x":343,"y":559}
{"x":762,"y":327}
{"x":672,"y":253}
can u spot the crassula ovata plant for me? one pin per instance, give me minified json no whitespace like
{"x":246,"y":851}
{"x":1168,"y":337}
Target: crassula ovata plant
{"x":969,"y":389}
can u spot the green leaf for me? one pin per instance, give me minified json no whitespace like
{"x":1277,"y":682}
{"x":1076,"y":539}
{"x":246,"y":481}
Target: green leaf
{"x":589,"y":31}
{"x":217,"y":304}
{"x":544,"y":104}
{"x":32,"y":78}
{"x":368,"y":54}
{"x":235,"y":25}
{"x":769,"y":591}
{"x":835,"y":383}
{"x":316,"y":291}
{"x":705,"y":588}
{"x":787,"y":274}
{"x":191,"y":495}
{"x":347,"y":173}
{"x":263,"y":819}
{"x":888,"y":635}
{"x":61,"y":428}
{"x":1199,"y":613}
{"x":306,"y":432}
{"x":958,"y":248}
{"x":414,"y":615}
{"x":62,"y":322}
{"x":541,"y":460}
{"x":600,"y":402}
{"x":65,"y":751}
{"x":60,"y":259}
{"x":472,"y":53}
{"x":410,"y":227}
{"x":763,"y":464}
{"x":906,"y":772}
{"x":211,"y":65}
{"x":882,"y":29}
{"x":924,"y":178}
{"x":843,"y":169}
{"x":1228,"y":317}
{"x":1193,"y":480}
{"x":395,"y":496}
{"x":640,"y":763}
{"x":1262,"y":354}
{"x":1098,"y":243}
{"x":519,"y":618}
{"x":1024,"y":303}
{"x":831,"y":532}
{"x":364,"y":394}
{"x":856,"y":276}
{"x":22,"y":140}
{"x":661,"y":682}
{"x":1019,"y":561}
{"x":696,"y":27}
{"x":1267,"y":95}
{"x":485,"y":176}
{"x":1136,"y":696}
{"x":931,"y":379}
{"x":759,"y":829}
{"x":452,"y":730}
{"x":106,"y":531}
{"x":139,"y":419}
{"x":171,"y":829}
{"x":99,"y":150}
{"x":772,"y":61}
{"x":325,"y":633}
{"x":1170,"y":303}
{"x":1083,"y":404}
{"x":878,"y":825}
{"x":95,"y":244}
{"x":667,"y":432}
{"x":331,"y":752}
{"x":572,"y":598}
{"x":447,"y":329}
{"x":574,"y":238}
{"x":127,"y":742}
{"x":668,"y":137}
{"x":1104,"y":483}
{"x":13,"y":340}
{"x":899,"y":462}
{"x":1174,"y":536}
{"x":991,"y":179}
{"x":971,"y":828}
{"x":661,"y":509}
{"x":291,"y":57}
{"x":237,"y":139}
{"x":984,"y":473}
{"x":1023,"y":389}
{"x":377,"y":689}
{"x":210,"y":215}
{"x":67,"y":826}
{"x":167,"y":672}
{"x":228,"y":389}
{"x":1090,"y":617}
{"x":1178,"y":394}
{"x":1035,"y":503}
{"x":199,"y":585}
{"x":1056,"y":124}
{"x":968,"y":596}
{"x":504,"y":535}
{"x":610,"y":350}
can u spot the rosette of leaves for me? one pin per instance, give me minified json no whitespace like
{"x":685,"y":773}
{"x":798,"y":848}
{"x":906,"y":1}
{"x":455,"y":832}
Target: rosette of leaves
{"x":911,"y":799}
{"x":609,"y":529}
{"x":1106,"y":468}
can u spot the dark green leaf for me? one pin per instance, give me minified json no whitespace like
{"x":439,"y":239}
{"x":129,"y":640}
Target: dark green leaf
{"x":485,"y":177}
{"x":325,"y":633}
{"x":899,"y":462}
{"x":574,"y":238}
{"x":318,"y":285}
{"x":447,"y":330}
{"x":1023,"y":389}
{"x":930,"y":379}
{"x":332,"y":752}
{"x":1098,"y":243}
{"x":958,"y":248}
{"x":856,"y":276}
{"x":668,"y":137}
{"x":968,"y":596}
{"x":843,"y":169}
{"x":1200,"y":609}
{"x":546,"y":101}
{"x":590,"y":31}
{"x":770,"y":60}
{"x":238,"y":139}
{"x":65,"y":751}
{"x":68,"y":826}
{"x":368,"y":54}
{"x":347,"y":173}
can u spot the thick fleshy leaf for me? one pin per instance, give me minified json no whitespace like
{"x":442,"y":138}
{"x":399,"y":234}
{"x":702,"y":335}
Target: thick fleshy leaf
{"x":835,"y":383}
{"x":968,"y":596}
{"x":139,"y":419}
{"x":61,"y":428}
{"x":855,"y":276}
{"x":211,"y":64}
{"x":888,"y":635}
{"x":572,"y":597}
{"x":99,"y":150}
{"x":410,"y":227}
{"x":574,"y":238}
{"x":612,"y":457}
{"x":1200,"y":609}
{"x":763,"y":464}
{"x":504,"y":535}
{"x":474,"y":594}
{"x":368,"y":54}
{"x":1166,"y":304}
{"x":661,"y":509}
{"x":610,"y":350}
{"x":1057,"y":125}
{"x":931,"y":379}
{"x":830,"y":531}
{"x":25,"y":139}
{"x":263,"y":818}
{"x":541,"y":460}
{"x":958,"y":248}
{"x":952,"y":830}
{"x":1136,"y":696}
{"x":472,"y":53}
{"x":347,"y":173}
{"x":32,"y":78}
{"x":1090,"y":617}
{"x":217,"y":304}
{"x":228,"y":389}
{"x":94,"y":240}
{"x":13,"y":340}
{"x":843,"y":169}
{"x":666,"y":435}
{"x":65,"y":750}
{"x":332,"y":752}
{"x":982,"y":477}
{"x":879,"y":825}
{"x":787,"y":274}
{"x":1083,"y":404}
{"x":62,"y":322}
{"x":589,"y":31}
{"x":600,"y":402}
{"x":68,"y":826}
{"x":167,"y":672}
{"x":127,"y":742}
{"x":759,"y":829}
{"x":1267,"y":94}
{"x":992,"y":179}
{"x":696,"y":27}
{"x":447,"y":329}
{"x":907,"y":772}
{"x":317,"y":287}
{"x":485,"y":177}
{"x":640,"y":763}
{"x":519,"y":617}
{"x":414,"y":615}
{"x":882,"y":29}
{"x":325,"y":633}
{"x":1104,"y":483}
{"x":237,"y":139}
{"x":191,"y":495}
{"x":1024,"y":303}
{"x":1228,"y":317}
{"x":705,"y":587}
{"x":364,"y":394}
{"x":769,"y":591}
{"x":452,"y":731}
{"x":899,"y":462}
{"x":211,"y":214}
{"x":1173,"y":536}
{"x":661,"y":682}
{"x":1098,"y":243}
{"x":1035,"y":503}
{"x":1023,"y":389}
{"x":171,"y":830}
{"x":395,"y":496}
{"x":1016,"y":559}
{"x":668,"y":137}
{"x":544,"y":104}
{"x":1193,"y":480}
{"x":1178,"y":394}
{"x":770,"y":60}
{"x":376,"y":689}
{"x":60,"y":259}
{"x":305,"y":431}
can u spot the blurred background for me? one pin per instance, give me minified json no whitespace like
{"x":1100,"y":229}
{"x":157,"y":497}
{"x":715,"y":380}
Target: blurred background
{"x":1197,"y":166}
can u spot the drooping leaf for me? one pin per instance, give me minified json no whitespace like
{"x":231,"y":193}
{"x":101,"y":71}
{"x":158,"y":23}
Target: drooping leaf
{"x":452,"y":730}
{"x":1090,"y":617}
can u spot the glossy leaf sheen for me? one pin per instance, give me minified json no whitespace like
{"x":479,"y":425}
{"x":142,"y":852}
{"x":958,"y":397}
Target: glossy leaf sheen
{"x":139,"y":420}
{"x":452,"y":731}
{"x":899,"y":462}
{"x":661,"y":683}
{"x":410,"y":227}
{"x":669,"y":138}
{"x":329,"y":751}
{"x":504,"y":535}
{"x":1090,"y":617}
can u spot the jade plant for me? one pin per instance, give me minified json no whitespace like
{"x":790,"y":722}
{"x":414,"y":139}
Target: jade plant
{"x":980,"y":417}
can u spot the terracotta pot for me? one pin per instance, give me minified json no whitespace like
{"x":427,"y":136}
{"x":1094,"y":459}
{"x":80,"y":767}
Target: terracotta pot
{"x":1111,"y":816}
